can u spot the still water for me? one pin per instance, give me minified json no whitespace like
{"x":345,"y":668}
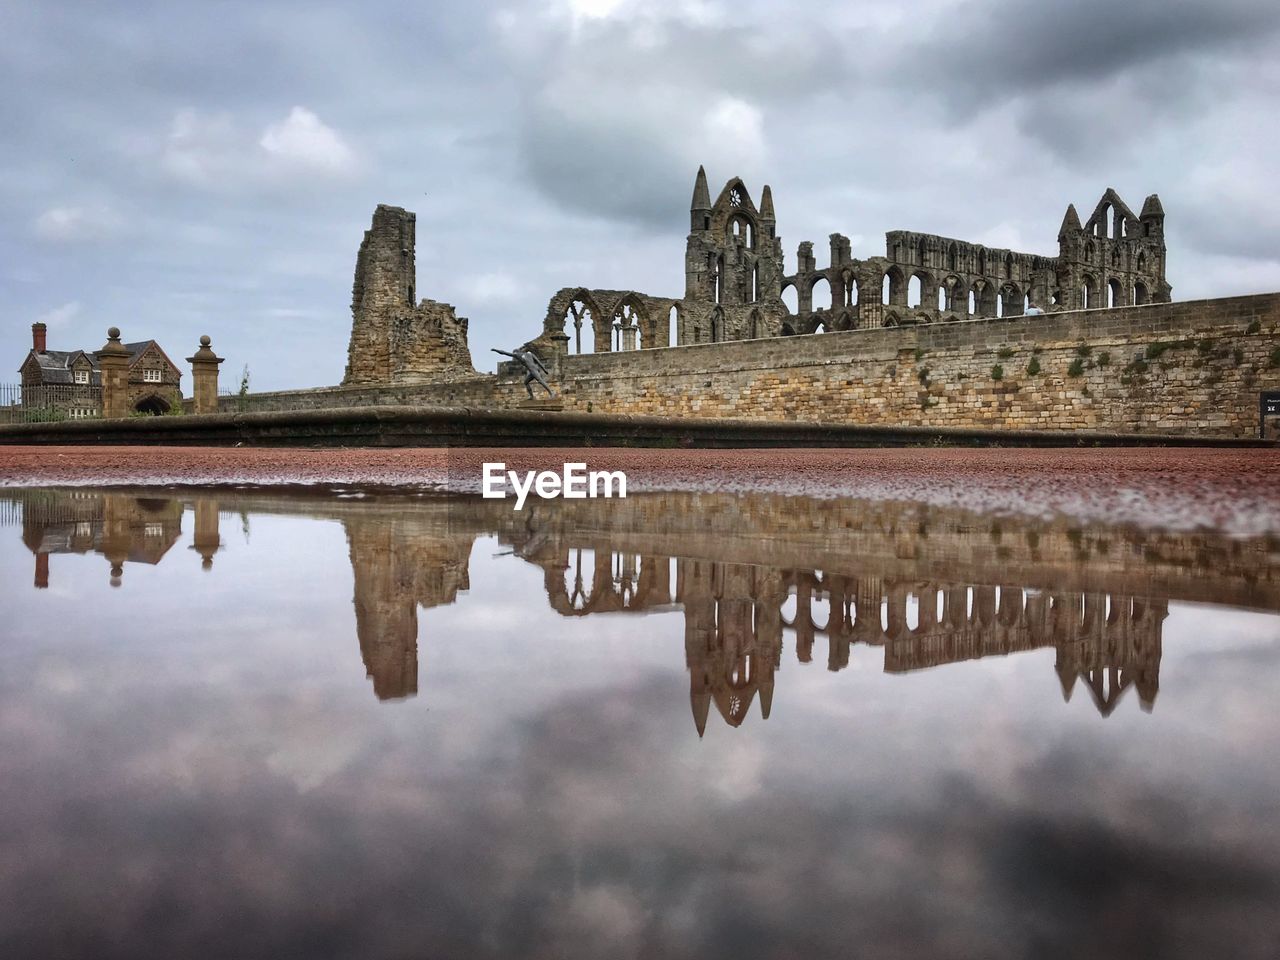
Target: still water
{"x":235,"y":724}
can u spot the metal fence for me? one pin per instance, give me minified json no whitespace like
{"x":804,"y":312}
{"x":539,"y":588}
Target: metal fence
{"x":48,"y":403}
{"x":11,"y":512}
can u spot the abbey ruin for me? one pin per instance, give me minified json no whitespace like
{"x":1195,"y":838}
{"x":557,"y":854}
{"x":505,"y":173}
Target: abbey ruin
{"x":735,"y":282}
{"x":935,"y":333}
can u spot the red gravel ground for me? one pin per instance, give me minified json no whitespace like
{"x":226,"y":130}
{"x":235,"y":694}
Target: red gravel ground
{"x":1232,"y":490}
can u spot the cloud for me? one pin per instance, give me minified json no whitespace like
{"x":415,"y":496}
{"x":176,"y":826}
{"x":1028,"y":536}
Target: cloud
{"x":496,"y":288}
{"x":213,"y":151}
{"x":60,"y":316}
{"x":303,"y":141}
{"x":554,"y":142}
{"x":620,"y":110}
{"x":77,"y":224}
{"x":1034,"y":46}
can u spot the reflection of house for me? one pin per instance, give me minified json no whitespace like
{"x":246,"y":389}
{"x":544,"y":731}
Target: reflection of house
{"x":122,"y":528}
{"x":69,"y":382}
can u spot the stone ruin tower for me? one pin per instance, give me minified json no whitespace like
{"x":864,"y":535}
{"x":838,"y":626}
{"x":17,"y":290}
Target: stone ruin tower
{"x":732,"y":266}
{"x":393,"y":339}
{"x":1115,"y":258}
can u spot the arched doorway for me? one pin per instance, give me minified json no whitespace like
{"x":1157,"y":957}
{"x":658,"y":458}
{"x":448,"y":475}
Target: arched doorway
{"x":152,"y":405}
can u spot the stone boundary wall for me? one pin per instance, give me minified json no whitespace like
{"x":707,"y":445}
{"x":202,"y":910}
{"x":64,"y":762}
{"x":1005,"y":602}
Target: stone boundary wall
{"x":481,"y":391}
{"x":425,"y":426}
{"x":1194,"y":367}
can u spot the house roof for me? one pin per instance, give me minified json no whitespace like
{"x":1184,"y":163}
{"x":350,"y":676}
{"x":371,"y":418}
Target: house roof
{"x":55,"y":365}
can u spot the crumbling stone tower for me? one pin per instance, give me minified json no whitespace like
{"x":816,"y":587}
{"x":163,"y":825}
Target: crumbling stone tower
{"x":394,"y":340}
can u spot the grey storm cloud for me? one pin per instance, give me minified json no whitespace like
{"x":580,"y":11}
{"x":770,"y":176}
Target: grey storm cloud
{"x":184,"y":169}
{"x":1007,"y":47}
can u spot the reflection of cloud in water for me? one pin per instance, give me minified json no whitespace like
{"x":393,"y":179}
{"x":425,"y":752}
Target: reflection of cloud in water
{"x":231,"y":788}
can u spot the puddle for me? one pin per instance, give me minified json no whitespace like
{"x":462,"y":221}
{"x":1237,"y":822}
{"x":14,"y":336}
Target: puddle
{"x":686,"y":724}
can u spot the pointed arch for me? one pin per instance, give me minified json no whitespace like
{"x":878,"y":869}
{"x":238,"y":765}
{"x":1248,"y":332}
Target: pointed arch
{"x":896,"y":287}
{"x":790,"y":298}
{"x":1115,"y":293}
{"x":152,"y":404}
{"x":1088,"y":293}
{"x":581,"y":316}
{"x":1010,"y":304}
{"x":828,"y":294}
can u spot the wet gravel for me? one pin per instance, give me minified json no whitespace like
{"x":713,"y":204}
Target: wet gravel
{"x":1236,"y":491}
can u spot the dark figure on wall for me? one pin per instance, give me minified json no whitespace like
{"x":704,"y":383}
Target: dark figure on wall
{"x":533,"y":367}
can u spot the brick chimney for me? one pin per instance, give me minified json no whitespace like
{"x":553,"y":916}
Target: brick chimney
{"x":38,"y":334}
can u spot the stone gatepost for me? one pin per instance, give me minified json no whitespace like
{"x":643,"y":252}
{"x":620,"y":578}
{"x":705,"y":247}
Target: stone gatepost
{"x":204,"y":378}
{"x":113,"y":362}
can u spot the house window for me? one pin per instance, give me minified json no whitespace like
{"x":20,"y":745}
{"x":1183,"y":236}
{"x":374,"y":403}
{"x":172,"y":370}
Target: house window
{"x":82,"y":376}
{"x":83,"y":530}
{"x":151,"y":376}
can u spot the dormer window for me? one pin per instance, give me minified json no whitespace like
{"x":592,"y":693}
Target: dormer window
{"x":81,"y":376}
{"x":151,"y":376}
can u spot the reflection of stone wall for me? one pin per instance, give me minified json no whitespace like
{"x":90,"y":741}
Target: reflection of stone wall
{"x":398,"y":567}
{"x":752,"y":574}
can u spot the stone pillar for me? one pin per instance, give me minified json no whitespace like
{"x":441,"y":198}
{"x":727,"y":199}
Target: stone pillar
{"x":113,"y":362}
{"x":204,"y":378}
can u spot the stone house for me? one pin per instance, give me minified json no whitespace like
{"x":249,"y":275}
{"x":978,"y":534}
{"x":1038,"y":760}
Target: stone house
{"x":69,"y":382}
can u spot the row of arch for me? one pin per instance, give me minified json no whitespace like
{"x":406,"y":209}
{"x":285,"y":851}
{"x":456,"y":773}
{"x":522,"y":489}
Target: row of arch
{"x":962,"y":258}
{"x":637,"y":323}
{"x":1113,"y":293}
{"x":630,"y":325}
{"x":1091,"y":251}
{"x":981,"y":297}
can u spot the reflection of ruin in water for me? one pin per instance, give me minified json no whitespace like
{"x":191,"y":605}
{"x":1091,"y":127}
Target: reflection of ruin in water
{"x":931,"y":586}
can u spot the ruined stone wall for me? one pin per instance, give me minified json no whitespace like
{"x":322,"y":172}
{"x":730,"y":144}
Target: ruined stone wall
{"x":1193,"y":367}
{"x":392,"y":339}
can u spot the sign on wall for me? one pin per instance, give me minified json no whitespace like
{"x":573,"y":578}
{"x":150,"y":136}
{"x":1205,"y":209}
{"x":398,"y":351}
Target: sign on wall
{"x":1268,"y":408}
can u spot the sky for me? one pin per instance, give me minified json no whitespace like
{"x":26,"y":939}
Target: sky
{"x":183,"y":169}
